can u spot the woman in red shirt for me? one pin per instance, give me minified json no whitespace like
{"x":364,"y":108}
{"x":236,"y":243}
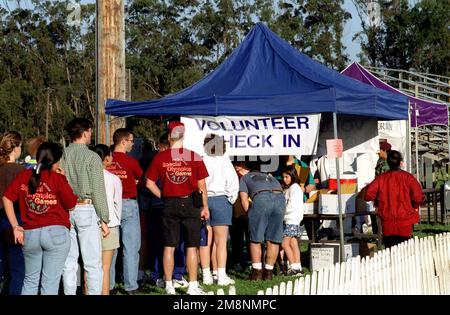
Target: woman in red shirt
{"x":45,"y":199}
{"x":398,"y":195}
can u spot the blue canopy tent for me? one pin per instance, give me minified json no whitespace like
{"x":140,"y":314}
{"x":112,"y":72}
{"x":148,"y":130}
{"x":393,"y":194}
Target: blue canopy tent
{"x":267,"y":76}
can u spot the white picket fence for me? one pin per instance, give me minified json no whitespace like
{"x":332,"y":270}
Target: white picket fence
{"x":416,"y":267}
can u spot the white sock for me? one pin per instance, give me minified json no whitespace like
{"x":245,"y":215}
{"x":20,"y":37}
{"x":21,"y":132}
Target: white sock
{"x":169,"y":284}
{"x":296,"y":266}
{"x":214,"y":272}
{"x":206,"y":271}
{"x":193,"y":284}
{"x":257,"y":265}
{"x":269,"y":267}
{"x":221,"y":272}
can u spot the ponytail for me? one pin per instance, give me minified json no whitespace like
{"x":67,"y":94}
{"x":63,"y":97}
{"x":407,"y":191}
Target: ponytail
{"x":48,"y":154}
{"x":35,"y":179}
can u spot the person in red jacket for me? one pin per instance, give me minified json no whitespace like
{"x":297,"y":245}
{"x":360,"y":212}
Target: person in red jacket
{"x":398,"y":196}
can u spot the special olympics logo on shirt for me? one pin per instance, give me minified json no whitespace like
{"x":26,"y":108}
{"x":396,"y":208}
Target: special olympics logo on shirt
{"x":177,"y":173}
{"x":35,"y":207}
{"x":41,"y":201}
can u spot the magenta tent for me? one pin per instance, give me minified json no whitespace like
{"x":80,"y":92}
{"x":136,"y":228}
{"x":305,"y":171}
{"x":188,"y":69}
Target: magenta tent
{"x":424,"y":111}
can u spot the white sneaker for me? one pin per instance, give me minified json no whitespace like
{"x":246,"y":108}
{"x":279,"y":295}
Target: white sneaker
{"x":160,"y":283}
{"x":180,"y":283}
{"x":208,"y":279}
{"x":195,"y":291}
{"x":225,"y":280}
{"x":170,"y":290}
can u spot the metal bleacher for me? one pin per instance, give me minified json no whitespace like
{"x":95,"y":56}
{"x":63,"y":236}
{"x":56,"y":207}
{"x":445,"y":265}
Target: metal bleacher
{"x":433,"y":141}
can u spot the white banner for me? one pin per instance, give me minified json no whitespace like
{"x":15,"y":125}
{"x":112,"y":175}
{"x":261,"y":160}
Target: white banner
{"x":394,"y":132}
{"x":275,"y":135}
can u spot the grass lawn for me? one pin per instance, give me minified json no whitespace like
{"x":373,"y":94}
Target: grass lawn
{"x":422,"y":230}
{"x":246,"y":287}
{"x":243,"y":286}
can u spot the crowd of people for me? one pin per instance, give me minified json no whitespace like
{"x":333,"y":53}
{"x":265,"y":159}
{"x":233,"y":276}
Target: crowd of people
{"x":173,"y":211}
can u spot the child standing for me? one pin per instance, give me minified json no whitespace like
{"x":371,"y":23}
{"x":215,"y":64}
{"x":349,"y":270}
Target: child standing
{"x":114,"y":197}
{"x":292,"y":218}
{"x":45,"y":199}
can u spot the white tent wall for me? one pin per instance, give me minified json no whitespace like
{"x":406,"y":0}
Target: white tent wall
{"x":360,"y":139}
{"x":394,"y":132}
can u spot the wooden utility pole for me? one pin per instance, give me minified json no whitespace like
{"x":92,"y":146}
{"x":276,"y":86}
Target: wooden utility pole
{"x":110,"y":56}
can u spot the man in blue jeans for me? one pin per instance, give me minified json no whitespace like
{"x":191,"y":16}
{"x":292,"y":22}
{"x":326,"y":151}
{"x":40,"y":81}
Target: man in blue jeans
{"x":129,"y":172}
{"x":83,"y":169}
{"x":265,"y":218}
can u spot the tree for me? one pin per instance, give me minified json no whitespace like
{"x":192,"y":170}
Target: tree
{"x":410,"y":37}
{"x":315,"y":27}
{"x":48,"y":66}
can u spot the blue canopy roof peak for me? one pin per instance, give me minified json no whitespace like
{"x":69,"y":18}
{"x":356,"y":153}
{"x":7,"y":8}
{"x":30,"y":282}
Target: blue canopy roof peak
{"x":265,"y":75}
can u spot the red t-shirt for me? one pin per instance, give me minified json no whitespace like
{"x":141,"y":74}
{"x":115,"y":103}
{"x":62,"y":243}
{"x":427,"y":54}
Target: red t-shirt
{"x":49,"y":205}
{"x":128,"y":170}
{"x":179,"y":171}
{"x":397,"y":194}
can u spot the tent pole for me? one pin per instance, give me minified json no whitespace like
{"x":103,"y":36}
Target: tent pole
{"x":408,"y":139}
{"x":338,"y":175}
{"x":448,"y":137}
{"x":448,"y":141}
{"x":416,"y":93}
{"x":417,"y":146}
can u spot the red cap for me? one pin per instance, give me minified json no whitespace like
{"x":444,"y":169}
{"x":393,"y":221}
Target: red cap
{"x":385,"y":146}
{"x":174,"y":124}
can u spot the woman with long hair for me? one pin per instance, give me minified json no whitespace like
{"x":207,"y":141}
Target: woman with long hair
{"x":45,"y":199}
{"x":10,"y":151}
{"x":223,"y":187}
{"x":114,"y":190}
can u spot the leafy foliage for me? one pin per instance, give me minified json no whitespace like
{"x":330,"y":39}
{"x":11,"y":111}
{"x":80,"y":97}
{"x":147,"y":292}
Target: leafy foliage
{"x":410,"y":37}
{"x":48,"y":66}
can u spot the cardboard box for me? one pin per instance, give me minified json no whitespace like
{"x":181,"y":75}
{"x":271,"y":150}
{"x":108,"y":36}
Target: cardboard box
{"x":349,"y":188}
{"x":324,"y":255}
{"x":314,"y":195}
{"x":311,"y":205}
{"x":328,"y":203}
{"x":310,"y":208}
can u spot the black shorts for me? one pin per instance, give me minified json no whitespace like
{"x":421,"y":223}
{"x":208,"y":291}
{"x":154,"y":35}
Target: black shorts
{"x":181,"y":211}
